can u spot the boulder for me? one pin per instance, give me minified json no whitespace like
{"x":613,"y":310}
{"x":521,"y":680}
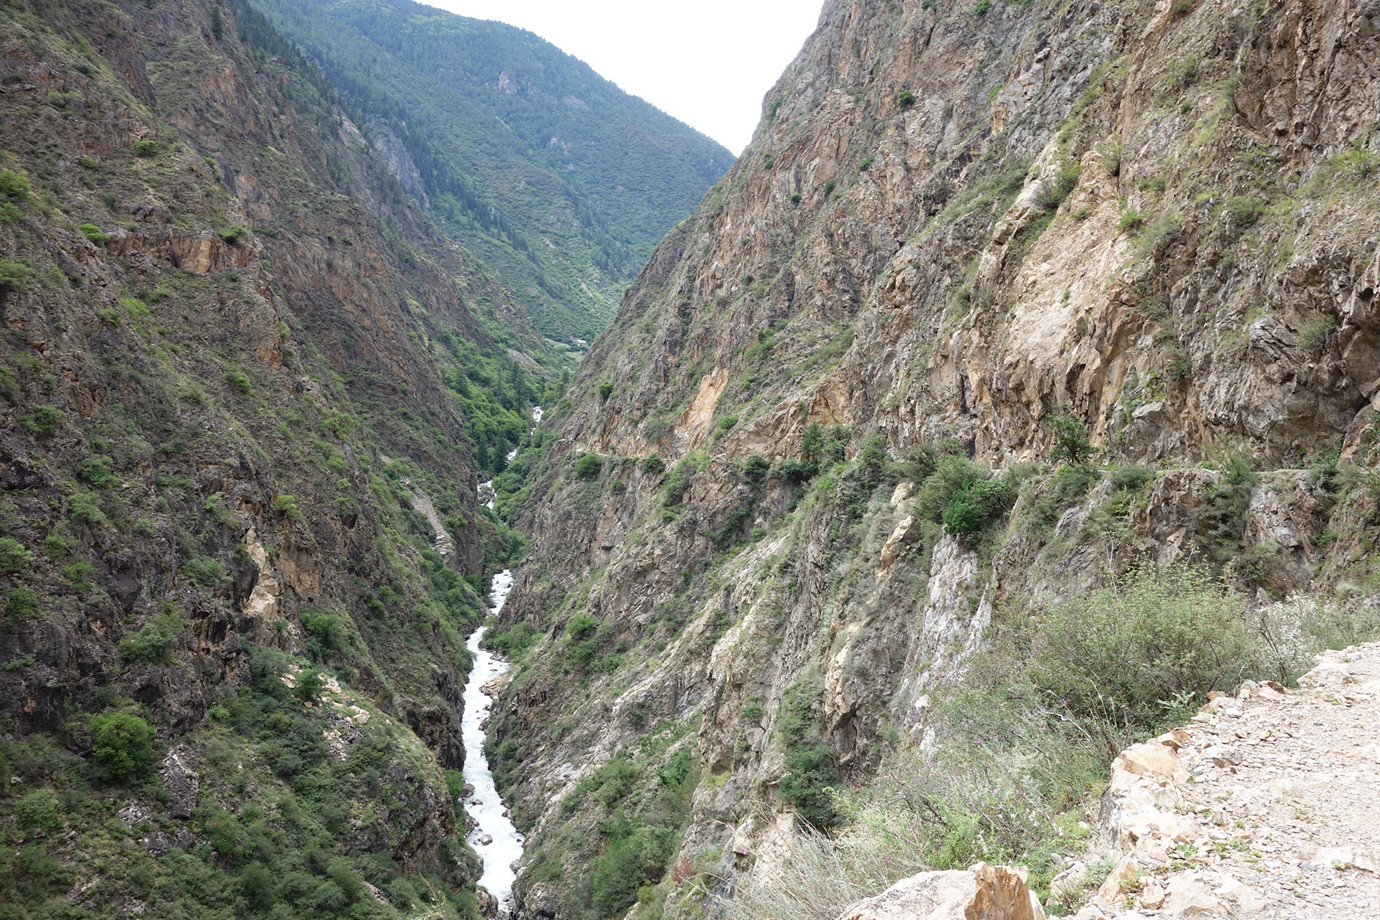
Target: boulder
{"x":182,"y":780}
{"x":1210,"y":894}
{"x":1150,"y":759}
{"x":981,"y":893}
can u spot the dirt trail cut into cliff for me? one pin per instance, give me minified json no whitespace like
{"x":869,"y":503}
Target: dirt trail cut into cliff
{"x":1266,"y":807}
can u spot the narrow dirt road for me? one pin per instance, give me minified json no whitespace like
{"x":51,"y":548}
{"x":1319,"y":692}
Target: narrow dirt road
{"x":1266,"y":807}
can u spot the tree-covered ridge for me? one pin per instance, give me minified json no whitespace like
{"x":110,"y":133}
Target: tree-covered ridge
{"x":554,"y":177}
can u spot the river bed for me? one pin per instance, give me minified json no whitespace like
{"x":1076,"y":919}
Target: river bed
{"x":494,"y":838}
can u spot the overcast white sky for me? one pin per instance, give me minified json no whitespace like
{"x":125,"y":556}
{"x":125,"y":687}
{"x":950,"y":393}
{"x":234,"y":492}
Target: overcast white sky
{"x":706,"y":62}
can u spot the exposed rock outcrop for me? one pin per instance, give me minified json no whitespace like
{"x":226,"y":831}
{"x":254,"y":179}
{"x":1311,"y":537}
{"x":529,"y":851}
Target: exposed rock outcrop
{"x":981,"y":893}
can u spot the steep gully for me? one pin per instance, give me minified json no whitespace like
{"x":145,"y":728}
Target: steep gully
{"x":494,"y":837}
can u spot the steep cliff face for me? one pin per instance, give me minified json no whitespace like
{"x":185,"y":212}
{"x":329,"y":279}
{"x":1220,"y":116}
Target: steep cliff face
{"x":233,"y":358}
{"x":983,"y":232}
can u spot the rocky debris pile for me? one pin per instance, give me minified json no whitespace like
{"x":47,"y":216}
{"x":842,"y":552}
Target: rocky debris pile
{"x":981,"y":893}
{"x":1266,"y":807}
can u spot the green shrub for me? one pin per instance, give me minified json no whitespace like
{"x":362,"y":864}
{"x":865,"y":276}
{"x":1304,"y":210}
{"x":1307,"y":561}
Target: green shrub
{"x":97,"y":472}
{"x":94,"y":234}
{"x":402,"y":894}
{"x":809,"y":784}
{"x":20,"y":605}
{"x":326,"y":633}
{"x":85,"y":508}
{"x":605,"y":390}
{"x":1071,"y":443}
{"x":154,"y":642}
{"x":1130,"y":222}
{"x":238,"y":381}
{"x":146,"y":148}
{"x":976,"y":505}
{"x":682,"y":474}
{"x":797,"y":472}
{"x":581,"y":626}
{"x":258,"y":885}
{"x":731,"y":528}
{"x":1155,"y":636}
{"x":38,"y":811}
{"x":122,"y":744}
{"x":1072,"y":482}
{"x":512,"y":643}
{"x":286,"y":505}
{"x":1131,"y":477}
{"x":589,"y":466}
{"x":14,"y":556}
{"x":13,"y":275}
{"x":309,"y":685}
{"x":205,"y":571}
{"x":756,"y":467}
{"x":1324,"y":478}
{"x":134,"y":307}
{"x":1220,"y":519}
{"x":1242,"y":213}
{"x":905,"y":99}
{"x":234,"y":234}
{"x":13,"y":185}
{"x":653,"y":466}
{"x":1063,"y":183}
{"x":44,"y":422}
{"x":1314,"y":330}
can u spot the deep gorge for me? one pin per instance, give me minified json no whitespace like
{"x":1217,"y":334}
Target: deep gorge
{"x":1011,"y":394}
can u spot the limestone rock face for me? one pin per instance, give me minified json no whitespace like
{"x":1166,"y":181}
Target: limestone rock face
{"x":980,"y":893}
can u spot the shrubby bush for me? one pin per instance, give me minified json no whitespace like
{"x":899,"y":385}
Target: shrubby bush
{"x":589,"y":466}
{"x":681,"y":475}
{"x":122,"y":744}
{"x":154,"y":642}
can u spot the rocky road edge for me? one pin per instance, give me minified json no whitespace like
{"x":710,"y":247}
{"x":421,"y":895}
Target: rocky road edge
{"x":1266,"y":806}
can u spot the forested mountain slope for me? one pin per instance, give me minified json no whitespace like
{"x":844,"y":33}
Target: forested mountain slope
{"x":1015,"y":388}
{"x":245,"y":389}
{"x":547,"y":172}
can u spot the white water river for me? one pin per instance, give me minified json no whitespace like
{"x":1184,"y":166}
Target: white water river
{"x":494,"y":838}
{"x":504,"y":844}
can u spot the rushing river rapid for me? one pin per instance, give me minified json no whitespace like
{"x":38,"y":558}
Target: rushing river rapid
{"x":494,"y":838}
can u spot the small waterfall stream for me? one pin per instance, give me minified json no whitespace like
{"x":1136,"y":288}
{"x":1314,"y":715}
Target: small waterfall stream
{"x":494,"y":838}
